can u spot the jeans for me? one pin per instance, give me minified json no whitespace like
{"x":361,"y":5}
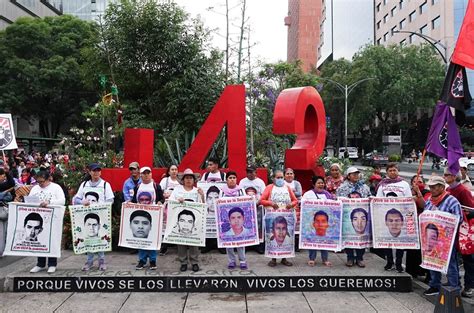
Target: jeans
{"x":100,"y":255}
{"x":398,"y":256}
{"x":468,"y":263}
{"x":231,"y":254}
{"x":359,"y":254}
{"x":51,"y":262}
{"x":143,"y":255}
{"x":453,"y":273}
{"x":313,"y":253}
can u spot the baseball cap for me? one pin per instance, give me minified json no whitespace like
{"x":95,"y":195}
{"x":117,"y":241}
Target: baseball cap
{"x":436,"y":180}
{"x":145,"y":168}
{"x":251,"y":168}
{"x":94,"y":166}
{"x":134,"y":165}
{"x":352,"y":169}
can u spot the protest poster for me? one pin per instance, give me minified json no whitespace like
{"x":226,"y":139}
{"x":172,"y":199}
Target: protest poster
{"x":211,"y":191}
{"x":356,"y":229}
{"x":186,"y":224}
{"x":437,"y":232}
{"x":279,"y":233}
{"x":321,"y":225}
{"x":236,"y":222}
{"x":394,"y":223}
{"x":7,"y":133}
{"x":91,"y":227}
{"x":140,"y":226}
{"x":33,"y":230}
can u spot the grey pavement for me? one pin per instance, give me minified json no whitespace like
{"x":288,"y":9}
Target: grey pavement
{"x":213,"y":264}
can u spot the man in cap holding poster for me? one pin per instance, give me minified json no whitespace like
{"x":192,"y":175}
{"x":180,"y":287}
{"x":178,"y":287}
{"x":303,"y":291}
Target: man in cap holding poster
{"x":442,"y":201}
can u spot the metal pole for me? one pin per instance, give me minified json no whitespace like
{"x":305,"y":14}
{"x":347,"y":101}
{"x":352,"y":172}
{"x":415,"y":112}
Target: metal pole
{"x":345,"y":117}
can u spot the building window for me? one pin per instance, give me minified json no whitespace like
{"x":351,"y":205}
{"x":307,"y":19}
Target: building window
{"x":384,"y":2}
{"x":436,"y":22}
{"x":403,"y":42}
{"x":378,"y":41}
{"x":412,"y":16}
{"x":433,"y":2}
{"x":402,"y":4}
{"x":385,"y":36}
{"x":378,"y":7}
{"x":403,"y":23}
{"x":412,"y":38}
{"x":424,"y":30}
{"x":423,"y":8}
{"x":393,"y":11}
{"x":394,"y":28}
{"x":378,"y":25}
{"x":385,"y":18}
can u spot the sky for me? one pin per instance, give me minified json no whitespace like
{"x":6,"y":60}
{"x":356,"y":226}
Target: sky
{"x":268,"y":31}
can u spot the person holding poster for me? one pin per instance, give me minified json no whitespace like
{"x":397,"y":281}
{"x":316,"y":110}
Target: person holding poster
{"x":353,"y":187}
{"x":131,"y":182}
{"x":86,"y":195}
{"x":213,"y":174}
{"x":49,"y":193}
{"x":335,"y":178}
{"x":393,"y":186}
{"x":318,"y":192}
{"x":441,"y":201}
{"x":186,"y":218}
{"x":170,"y":181}
{"x":464,"y":196}
{"x":147,"y":192}
{"x":278,"y":197}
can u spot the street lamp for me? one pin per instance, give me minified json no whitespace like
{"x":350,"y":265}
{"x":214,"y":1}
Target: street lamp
{"x":433,"y":42}
{"x":346,"y":90}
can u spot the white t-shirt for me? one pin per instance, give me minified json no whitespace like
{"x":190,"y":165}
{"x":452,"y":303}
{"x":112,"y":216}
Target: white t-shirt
{"x":401,"y":189}
{"x":168,"y":184}
{"x":257,"y":183}
{"x":52,"y":193}
{"x":280,"y":195}
{"x":102,"y":189}
{"x":310,"y":195}
{"x":212,"y":177}
{"x":180,"y":192}
{"x":147,"y":188}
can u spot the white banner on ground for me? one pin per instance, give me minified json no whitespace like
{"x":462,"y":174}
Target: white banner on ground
{"x":33,"y":230}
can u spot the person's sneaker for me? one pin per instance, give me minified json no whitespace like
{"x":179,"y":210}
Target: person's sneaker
{"x":388,"y":267}
{"x":231,"y":265}
{"x":350,"y":263}
{"x":467,"y":293}
{"x":102,"y":266}
{"x":51,"y":269}
{"x":183,"y":268}
{"x":153,"y":265}
{"x":87,"y":266}
{"x":360,"y":263}
{"x":431,"y":291}
{"x":163,"y":251}
{"x":243,"y":265}
{"x":37,"y":269}
{"x":222,"y":251}
{"x":140,"y":265}
{"x":195,"y":267}
{"x":399,"y":269}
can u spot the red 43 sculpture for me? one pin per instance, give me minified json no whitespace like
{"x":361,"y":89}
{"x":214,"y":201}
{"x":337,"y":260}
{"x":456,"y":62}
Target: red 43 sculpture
{"x":298,"y":111}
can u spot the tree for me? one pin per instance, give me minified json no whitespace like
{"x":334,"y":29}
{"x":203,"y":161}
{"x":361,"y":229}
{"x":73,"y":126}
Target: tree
{"x":40,"y":70}
{"x":168,"y":76}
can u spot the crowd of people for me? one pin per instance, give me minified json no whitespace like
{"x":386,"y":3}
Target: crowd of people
{"x":446,"y":193}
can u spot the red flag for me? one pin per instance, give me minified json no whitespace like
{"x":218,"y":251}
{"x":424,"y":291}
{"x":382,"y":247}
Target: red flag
{"x":464,"y":51}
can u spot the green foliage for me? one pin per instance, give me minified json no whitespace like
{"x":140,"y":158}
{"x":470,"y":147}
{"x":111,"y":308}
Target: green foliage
{"x":40,"y":70}
{"x":169,"y":77}
{"x":394,"y":158}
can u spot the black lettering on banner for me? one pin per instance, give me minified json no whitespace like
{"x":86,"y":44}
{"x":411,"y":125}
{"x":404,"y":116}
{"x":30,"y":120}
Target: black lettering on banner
{"x":210,"y":284}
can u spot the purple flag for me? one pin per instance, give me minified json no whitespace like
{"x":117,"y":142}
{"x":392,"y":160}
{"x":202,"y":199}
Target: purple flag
{"x":443,"y":138}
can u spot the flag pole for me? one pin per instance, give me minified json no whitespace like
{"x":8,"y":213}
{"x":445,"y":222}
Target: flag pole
{"x":421,"y":164}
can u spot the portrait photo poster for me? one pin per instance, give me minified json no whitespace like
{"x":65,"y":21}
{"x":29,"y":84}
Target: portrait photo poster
{"x":211,"y":194}
{"x":279,"y":233}
{"x":356,"y":228}
{"x":186,"y":223}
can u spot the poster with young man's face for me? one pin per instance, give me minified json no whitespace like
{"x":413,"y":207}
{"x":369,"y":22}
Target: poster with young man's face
{"x":280,"y":233}
{"x":211,"y":192}
{"x":186,"y":224}
{"x":394,"y":223}
{"x":33,"y":230}
{"x":140,"y":226}
{"x":356,"y":228}
{"x":321,"y":225}
{"x":237,"y":222}
{"x":91,"y":227}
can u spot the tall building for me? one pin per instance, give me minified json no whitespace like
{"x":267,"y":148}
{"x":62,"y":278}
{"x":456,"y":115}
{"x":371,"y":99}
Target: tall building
{"x":10,"y":10}
{"x":303,"y":21}
{"x":346,"y":26}
{"x":89,"y":10}
{"x":400,"y":22}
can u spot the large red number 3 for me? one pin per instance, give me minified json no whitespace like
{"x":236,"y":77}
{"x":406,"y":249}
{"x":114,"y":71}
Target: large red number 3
{"x":301,"y":111}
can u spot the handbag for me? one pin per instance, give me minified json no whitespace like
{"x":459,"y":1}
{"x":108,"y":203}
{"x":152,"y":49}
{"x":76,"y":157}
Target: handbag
{"x":466,"y":236}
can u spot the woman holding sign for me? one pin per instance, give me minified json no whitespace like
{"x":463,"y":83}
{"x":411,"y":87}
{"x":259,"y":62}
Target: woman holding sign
{"x":48,"y":193}
{"x":188,"y":192}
